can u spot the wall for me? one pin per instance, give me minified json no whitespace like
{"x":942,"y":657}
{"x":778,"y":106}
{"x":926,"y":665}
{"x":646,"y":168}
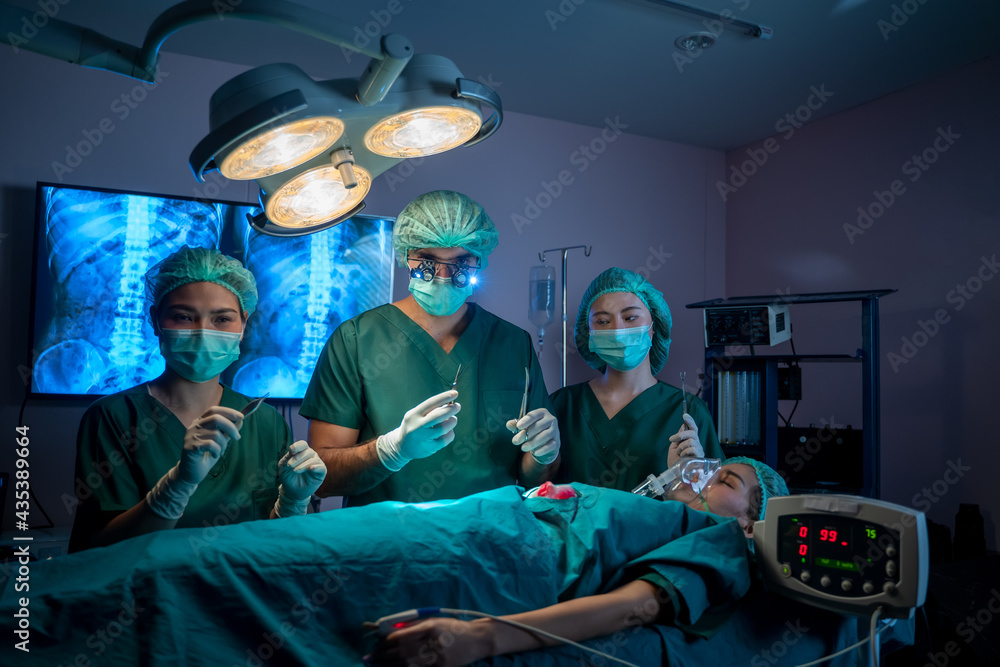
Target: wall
{"x":921,"y":165}
{"x":638,"y":202}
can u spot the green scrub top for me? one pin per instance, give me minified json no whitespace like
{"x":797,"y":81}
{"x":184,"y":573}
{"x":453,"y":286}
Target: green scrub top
{"x":621,"y":452}
{"x":381,"y":363}
{"x":129,"y":440}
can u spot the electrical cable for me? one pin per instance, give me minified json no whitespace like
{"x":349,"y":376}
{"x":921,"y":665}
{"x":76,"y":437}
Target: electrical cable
{"x":794,"y":363}
{"x":873,"y":646}
{"x":927,"y":627}
{"x":844,"y":650}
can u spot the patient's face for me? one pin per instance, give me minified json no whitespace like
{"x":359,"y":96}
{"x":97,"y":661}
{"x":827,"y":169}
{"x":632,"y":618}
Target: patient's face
{"x":728,"y":493}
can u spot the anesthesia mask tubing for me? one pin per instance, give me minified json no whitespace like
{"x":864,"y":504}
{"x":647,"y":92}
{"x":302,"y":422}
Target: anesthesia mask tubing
{"x":693,"y":472}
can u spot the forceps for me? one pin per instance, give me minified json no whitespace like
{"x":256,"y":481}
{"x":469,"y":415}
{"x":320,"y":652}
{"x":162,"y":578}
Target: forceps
{"x":455,"y":383}
{"x":247,"y":410}
{"x":524,"y":399}
{"x":252,"y":406}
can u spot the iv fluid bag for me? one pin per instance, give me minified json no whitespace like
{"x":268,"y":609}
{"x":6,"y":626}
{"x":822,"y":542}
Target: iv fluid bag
{"x":542,"y":296}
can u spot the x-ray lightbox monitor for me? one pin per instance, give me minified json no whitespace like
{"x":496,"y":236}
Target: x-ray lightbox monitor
{"x":91,"y":333}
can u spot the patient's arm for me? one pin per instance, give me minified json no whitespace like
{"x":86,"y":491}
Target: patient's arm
{"x":459,"y":642}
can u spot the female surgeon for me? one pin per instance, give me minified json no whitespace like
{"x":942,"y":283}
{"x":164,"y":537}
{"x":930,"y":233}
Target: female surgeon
{"x":740,"y":490}
{"x":617,"y":427}
{"x":177,"y":451}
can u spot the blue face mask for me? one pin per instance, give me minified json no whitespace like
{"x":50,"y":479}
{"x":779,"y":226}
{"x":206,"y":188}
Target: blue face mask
{"x":439,"y":296}
{"x":621,"y":349}
{"x":199,"y":355}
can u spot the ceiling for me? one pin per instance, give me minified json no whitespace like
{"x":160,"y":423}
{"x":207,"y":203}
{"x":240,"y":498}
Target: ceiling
{"x":585,"y":61}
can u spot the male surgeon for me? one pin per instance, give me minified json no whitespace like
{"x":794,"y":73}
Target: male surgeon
{"x":383,"y":414}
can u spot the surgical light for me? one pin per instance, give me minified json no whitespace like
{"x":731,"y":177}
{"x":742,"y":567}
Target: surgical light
{"x":282,"y":148}
{"x":316,"y":196}
{"x":423,"y":132}
{"x":313,"y":147}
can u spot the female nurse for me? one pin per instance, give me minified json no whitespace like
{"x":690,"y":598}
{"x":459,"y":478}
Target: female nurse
{"x":177,"y":452}
{"x":625,"y":424}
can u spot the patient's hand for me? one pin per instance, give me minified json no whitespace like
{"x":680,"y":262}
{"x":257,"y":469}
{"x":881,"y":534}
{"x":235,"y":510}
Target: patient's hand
{"x":441,"y":642}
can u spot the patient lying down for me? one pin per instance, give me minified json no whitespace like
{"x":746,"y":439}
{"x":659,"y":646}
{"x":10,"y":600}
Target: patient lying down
{"x":739,"y":490}
{"x":299,"y":591}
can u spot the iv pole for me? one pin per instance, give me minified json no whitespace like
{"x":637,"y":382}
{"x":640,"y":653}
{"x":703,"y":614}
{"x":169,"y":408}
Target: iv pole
{"x":565,"y":251}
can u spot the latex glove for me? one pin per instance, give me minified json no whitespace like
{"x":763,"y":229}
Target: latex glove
{"x":204,"y":444}
{"x":301,"y":471}
{"x":537,"y":433}
{"x":424,"y":430}
{"x":685,"y":443}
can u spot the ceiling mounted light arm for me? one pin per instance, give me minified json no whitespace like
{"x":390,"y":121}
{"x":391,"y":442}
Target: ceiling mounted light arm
{"x":387,"y":62}
{"x":753,"y":29}
{"x":70,"y":43}
{"x":88,"y":48}
{"x":473,"y":90}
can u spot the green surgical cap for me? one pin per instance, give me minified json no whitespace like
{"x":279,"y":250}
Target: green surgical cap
{"x":444,"y":219}
{"x":620,"y":280}
{"x":201,"y":265}
{"x":771,"y":483}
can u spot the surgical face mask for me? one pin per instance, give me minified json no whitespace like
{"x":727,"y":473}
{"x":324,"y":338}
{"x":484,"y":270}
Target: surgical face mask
{"x":622,"y":349}
{"x":199,"y":355}
{"x":439,"y":296}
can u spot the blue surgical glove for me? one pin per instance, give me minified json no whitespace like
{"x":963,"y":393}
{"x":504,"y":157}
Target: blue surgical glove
{"x":424,"y":430}
{"x":537,"y":433}
{"x":685,"y":443}
{"x":205,"y":442}
{"x":301,"y":471}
